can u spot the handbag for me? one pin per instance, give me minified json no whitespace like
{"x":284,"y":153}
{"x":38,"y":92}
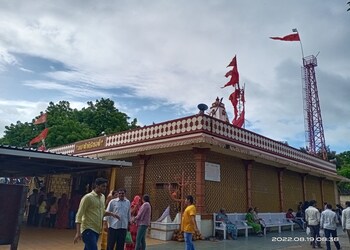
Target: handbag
{"x":308,"y":231}
{"x":128,"y":238}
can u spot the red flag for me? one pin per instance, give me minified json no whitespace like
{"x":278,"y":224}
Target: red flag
{"x":234,"y":77}
{"x":291,"y":37}
{"x":41,"y":119}
{"x":233,"y":63}
{"x":234,"y":97}
{"x":40,"y":137}
{"x":240,"y":121}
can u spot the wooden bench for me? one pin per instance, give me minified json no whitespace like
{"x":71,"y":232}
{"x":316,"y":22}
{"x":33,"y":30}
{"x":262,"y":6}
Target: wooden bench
{"x":271,"y":220}
{"x":235,"y":218}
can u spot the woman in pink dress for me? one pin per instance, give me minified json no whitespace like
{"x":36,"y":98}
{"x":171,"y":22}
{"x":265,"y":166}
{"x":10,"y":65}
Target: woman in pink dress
{"x":62,"y":212}
{"x":135,"y":206}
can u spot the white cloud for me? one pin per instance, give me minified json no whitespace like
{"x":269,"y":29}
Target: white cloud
{"x":175,"y":52}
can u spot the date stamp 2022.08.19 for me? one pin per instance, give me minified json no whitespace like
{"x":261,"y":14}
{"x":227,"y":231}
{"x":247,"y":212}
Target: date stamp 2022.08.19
{"x":302,"y":239}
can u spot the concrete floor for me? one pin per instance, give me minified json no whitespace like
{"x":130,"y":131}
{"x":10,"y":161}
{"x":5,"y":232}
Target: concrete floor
{"x":54,"y":239}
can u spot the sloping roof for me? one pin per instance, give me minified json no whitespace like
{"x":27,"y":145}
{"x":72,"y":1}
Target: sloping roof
{"x":19,"y":162}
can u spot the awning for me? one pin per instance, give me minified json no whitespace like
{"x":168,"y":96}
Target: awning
{"x":21,"y":162}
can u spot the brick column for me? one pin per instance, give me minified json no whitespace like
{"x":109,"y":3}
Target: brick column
{"x":248,"y":174}
{"x":200,"y":155}
{"x":280,"y":188}
{"x":143,"y":160}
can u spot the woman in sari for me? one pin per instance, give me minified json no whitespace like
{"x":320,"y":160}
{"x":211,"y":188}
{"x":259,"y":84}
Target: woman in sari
{"x":135,"y":207}
{"x":230,"y":227}
{"x":62,"y":212}
{"x":251,"y":222}
{"x":113,"y":194}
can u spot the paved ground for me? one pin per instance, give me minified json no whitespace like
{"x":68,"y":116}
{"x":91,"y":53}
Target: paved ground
{"x":54,"y":239}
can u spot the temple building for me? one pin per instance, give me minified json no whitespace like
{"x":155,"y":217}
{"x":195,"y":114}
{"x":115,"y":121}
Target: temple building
{"x":219,"y":164}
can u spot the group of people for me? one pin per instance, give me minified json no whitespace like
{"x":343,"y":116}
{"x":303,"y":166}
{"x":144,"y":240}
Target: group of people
{"x":119,"y":218}
{"x":326,"y":220}
{"x":44,"y":209}
{"x":252,"y":218}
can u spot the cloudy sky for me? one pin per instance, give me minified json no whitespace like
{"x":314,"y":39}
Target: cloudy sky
{"x":158,"y":59}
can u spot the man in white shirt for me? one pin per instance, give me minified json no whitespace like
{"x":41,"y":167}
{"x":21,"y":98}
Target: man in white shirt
{"x":117,"y":228}
{"x":346,"y":219}
{"x":329,"y":224}
{"x":312,"y":217}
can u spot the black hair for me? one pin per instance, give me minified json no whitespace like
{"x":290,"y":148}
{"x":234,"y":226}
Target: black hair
{"x":329,"y":206}
{"x":312,"y":202}
{"x":145,"y":197}
{"x":347,"y":203}
{"x":121,"y":189}
{"x":189,"y":198}
{"x":100,"y":181}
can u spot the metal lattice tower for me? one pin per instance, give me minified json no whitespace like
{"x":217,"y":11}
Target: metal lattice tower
{"x":314,"y":133}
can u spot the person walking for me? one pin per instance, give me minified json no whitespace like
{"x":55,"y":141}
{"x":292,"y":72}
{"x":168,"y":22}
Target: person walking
{"x":188,"y":223}
{"x":345,"y":219}
{"x":312,"y":217}
{"x":328,"y":222}
{"x":90,"y":214}
{"x":143,"y":219}
{"x":117,"y":228}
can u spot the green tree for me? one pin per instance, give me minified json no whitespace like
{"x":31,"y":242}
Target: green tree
{"x":343,"y":160}
{"x":67,"y":125}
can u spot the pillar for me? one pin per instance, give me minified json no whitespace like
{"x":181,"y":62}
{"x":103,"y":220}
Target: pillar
{"x":143,"y":160}
{"x":303,"y":185}
{"x":280,"y":172}
{"x":112,"y":179}
{"x":200,"y":155}
{"x":248,"y":174}
{"x":322,"y":191}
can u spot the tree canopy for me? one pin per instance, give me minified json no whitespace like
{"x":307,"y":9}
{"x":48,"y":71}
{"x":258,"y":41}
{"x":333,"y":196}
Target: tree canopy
{"x":67,"y":125}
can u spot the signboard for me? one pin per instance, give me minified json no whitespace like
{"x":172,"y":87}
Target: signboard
{"x":212,"y":172}
{"x":88,"y":145}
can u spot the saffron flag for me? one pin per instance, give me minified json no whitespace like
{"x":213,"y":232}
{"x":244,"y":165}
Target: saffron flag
{"x":291,"y":38}
{"x":240,"y":121}
{"x":234,"y":77}
{"x":41,"y":119}
{"x":233,"y":63}
{"x":40,"y":137}
{"x":234,"y":97}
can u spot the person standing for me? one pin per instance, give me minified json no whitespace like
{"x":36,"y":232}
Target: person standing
{"x":117,"y":228}
{"x":329,"y":223}
{"x":188,"y":223}
{"x":312,"y":217}
{"x":90,"y":214}
{"x":135,"y":207}
{"x":345,"y":219}
{"x":143,"y":219}
{"x":73,"y":208}
{"x":33,"y":207}
{"x":112,"y":194}
{"x":62,"y":212}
